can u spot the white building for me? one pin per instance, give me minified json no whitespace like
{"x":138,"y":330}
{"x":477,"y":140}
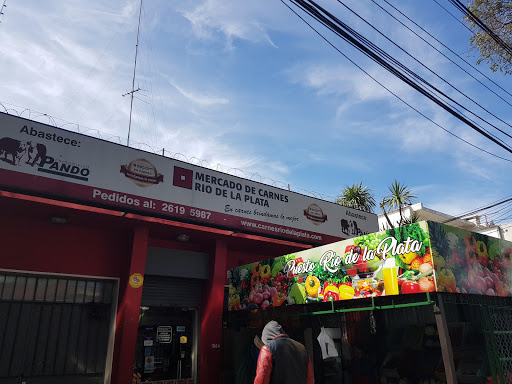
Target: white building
{"x":475,"y":223}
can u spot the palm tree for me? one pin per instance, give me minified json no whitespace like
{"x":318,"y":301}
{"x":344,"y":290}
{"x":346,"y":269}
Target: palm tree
{"x":357,"y":196}
{"x":399,"y":196}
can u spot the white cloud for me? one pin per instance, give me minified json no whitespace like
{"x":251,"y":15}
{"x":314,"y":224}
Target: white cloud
{"x":202,"y":100}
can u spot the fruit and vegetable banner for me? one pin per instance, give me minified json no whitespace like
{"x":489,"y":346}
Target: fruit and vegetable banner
{"x":420,"y":257}
{"x":468,"y":262}
{"x":384,"y":263}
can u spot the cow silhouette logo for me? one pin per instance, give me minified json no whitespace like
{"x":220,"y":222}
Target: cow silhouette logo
{"x":15,"y":149}
{"x":350,"y":228}
{"x":315,"y":214}
{"x":12,"y":151}
{"x":142,"y":172}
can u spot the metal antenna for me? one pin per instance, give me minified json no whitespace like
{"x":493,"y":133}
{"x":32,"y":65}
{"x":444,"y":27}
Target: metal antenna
{"x":133,"y":82}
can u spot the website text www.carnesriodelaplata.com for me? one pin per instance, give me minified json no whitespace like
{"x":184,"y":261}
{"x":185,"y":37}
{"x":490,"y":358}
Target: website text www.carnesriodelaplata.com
{"x":286,"y":231}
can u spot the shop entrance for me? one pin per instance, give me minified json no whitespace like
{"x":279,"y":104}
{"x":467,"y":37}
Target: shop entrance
{"x":165,"y":344}
{"x":167,"y":339}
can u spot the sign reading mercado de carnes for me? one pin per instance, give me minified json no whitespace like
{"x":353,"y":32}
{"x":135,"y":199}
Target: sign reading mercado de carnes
{"x":76,"y":167}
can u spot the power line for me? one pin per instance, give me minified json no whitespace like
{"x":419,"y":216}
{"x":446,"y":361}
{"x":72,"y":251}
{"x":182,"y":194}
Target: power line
{"x":474,"y":212}
{"x":379,"y":56}
{"x":446,"y":47}
{"x":438,"y":76}
{"x":391,"y":92}
{"x":471,"y":16}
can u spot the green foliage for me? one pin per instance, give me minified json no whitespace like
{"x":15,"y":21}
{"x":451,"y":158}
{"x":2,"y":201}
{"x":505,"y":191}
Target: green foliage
{"x":497,"y":15}
{"x":399,"y":196}
{"x":414,"y":231}
{"x":357,"y":196}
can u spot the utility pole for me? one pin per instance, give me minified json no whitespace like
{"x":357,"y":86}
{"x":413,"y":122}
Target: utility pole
{"x":133,"y":82}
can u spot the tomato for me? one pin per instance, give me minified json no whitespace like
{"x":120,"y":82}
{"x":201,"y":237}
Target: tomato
{"x":410,"y":287}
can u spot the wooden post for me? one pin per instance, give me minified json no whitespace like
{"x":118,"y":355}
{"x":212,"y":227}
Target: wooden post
{"x":446,"y":343}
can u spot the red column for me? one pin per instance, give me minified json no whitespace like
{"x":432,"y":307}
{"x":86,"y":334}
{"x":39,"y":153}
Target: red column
{"x":211,"y":319}
{"x":129,"y":310}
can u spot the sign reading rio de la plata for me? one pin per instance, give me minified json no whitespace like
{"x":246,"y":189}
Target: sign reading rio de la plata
{"x":72,"y":166}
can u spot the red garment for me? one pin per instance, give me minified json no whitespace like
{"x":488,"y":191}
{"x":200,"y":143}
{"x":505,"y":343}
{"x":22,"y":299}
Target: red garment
{"x":264,"y":367}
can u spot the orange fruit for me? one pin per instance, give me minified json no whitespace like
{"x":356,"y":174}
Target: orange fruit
{"x":427,"y":258}
{"x":416,"y":263}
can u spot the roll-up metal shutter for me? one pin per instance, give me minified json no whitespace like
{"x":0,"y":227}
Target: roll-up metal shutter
{"x":171,"y":291}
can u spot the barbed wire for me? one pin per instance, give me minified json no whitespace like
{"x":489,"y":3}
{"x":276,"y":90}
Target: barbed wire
{"x":92,"y":132}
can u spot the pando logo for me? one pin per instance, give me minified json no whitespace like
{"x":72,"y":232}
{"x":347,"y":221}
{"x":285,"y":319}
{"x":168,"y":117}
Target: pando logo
{"x":142,"y":173}
{"x":17,"y":152}
{"x":315,"y":214}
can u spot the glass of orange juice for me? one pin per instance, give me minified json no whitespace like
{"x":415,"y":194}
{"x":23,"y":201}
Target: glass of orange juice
{"x":390,"y":275}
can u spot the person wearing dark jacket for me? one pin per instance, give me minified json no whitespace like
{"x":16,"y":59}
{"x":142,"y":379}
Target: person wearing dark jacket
{"x":282,"y":360}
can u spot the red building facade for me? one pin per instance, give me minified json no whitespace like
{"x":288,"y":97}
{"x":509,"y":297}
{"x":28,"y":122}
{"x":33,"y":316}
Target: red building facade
{"x":97,"y":288}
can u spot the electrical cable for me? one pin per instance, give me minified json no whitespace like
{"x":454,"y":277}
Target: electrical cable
{"x":342,"y":30}
{"x":477,"y":210}
{"x":456,"y":18}
{"x":438,"y":76}
{"x":446,"y":47}
{"x":471,"y":16}
{"x":391,"y":92}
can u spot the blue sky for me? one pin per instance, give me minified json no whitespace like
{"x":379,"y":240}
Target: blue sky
{"x":248,"y":88}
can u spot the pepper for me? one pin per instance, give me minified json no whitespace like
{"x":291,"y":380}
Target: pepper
{"x":345,"y":281}
{"x":280,"y":276}
{"x":481,"y":250}
{"x":254,"y":280}
{"x":346,"y":292}
{"x":331,"y":295}
{"x":471,"y":255}
{"x":256,"y":269}
{"x":447,"y":280}
{"x":278,"y":299}
{"x":265,"y":272}
{"x":502,"y":289}
{"x":408,"y":257}
{"x":327,"y":284}
{"x":312,"y":286}
{"x":234,"y":300}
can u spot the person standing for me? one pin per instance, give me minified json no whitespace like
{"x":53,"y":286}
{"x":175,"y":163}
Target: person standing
{"x":282,"y":360}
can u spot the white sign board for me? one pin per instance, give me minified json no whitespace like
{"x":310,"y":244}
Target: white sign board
{"x":76,"y":167}
{"x":164,"y":334}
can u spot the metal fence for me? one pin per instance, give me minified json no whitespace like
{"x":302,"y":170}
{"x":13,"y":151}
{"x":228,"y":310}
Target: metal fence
{"x":54,"y":327}
{"x":491,"y":321}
